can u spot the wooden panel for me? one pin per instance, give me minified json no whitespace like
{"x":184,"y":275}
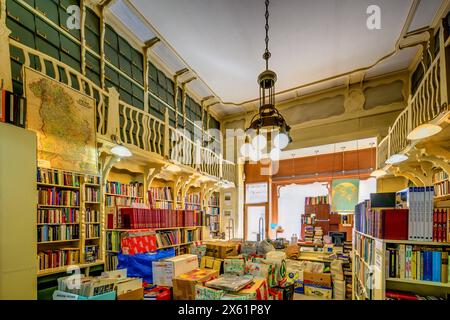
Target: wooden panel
{"x":18,"y":235}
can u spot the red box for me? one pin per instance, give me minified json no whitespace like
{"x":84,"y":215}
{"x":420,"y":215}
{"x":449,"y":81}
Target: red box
{"x":394,"y":224}
{"x":139,"y":244}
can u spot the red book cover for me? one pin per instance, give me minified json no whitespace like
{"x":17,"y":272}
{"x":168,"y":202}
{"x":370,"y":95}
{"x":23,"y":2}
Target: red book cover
{"x":2,"y":106}
{"x":395,"y":224}
{"x":110,"y":221}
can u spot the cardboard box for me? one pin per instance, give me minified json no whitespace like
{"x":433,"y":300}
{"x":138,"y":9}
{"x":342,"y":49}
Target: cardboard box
{"x":137,"y":294}
{"x":205,"y":293}
{"x":317,"y":279}
{"x":221,"y":250}
{"x":317,"y":291}
{"x":184,"y":284}
{"x":211,"y":263}
{"x":234,"y":265}
{"x":165,"y":270}
{"x":258,"y":290}
{"x":128,"y":285}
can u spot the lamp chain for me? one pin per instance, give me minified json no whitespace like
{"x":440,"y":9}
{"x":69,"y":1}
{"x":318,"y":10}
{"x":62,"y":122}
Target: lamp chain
{"x":267,"y":54}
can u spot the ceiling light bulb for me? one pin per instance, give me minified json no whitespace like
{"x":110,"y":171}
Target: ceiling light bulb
{"x":378,"y":173}
{"x":259,"y":142}
{"x":396,"y":158}
{"x":275,"y":154}
{"x":246,"y":149}
{"x":121,"y":151}
{"x":281,"y":141}
{"x":424,"y":131}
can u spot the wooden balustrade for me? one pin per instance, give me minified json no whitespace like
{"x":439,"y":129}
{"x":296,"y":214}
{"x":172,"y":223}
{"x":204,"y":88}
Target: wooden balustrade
{"x":132,"y":125}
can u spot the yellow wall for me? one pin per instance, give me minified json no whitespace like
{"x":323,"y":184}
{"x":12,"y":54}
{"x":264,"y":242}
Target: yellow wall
{"x":391,"y":184}
{"x":18,"y":200}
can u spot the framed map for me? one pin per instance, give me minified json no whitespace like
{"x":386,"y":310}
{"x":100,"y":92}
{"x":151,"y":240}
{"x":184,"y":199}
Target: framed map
{"x":64,"y":121}
{"x":344,"y":195}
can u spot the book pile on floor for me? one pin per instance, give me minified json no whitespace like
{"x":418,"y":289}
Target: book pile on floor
{"x":309,"y":234}
{"x":318,"y":235}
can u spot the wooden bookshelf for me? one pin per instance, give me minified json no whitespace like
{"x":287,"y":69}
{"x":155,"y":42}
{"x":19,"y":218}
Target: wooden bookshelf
{"x":376,"y":264}
{"x":68,"y":187}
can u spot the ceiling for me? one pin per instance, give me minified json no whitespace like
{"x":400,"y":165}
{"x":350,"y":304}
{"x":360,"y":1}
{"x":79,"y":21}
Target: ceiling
{"x":222,"y":41}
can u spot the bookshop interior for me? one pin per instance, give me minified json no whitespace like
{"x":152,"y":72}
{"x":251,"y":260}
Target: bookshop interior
{"x":149,"y":152}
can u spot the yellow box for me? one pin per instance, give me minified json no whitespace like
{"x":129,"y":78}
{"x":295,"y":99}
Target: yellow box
{"x":321,"y":292}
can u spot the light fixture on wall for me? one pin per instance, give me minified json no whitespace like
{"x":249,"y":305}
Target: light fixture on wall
{"x":119,"y":149}
{"x":378,"y":172}
{"x":396,"y":158}
{"x":268,"y":118}
{"x":424,"y":131}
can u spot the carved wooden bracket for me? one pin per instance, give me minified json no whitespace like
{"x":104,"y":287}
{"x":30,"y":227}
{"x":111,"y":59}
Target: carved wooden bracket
{"x":437,"y":162}
{"x":408,"y":175}
{"x":423,"y":175}
{"x":107,"y":161}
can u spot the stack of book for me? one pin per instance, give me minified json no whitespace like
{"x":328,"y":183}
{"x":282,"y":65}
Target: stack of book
{"x":318,"y":235}
{"x":92,"y":231}
{"x":113,"y":239}
{"x":309,"y":234}
{"x":417,"y":263}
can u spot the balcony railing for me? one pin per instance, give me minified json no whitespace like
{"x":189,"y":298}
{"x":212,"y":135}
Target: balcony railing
{"x":427,"y":103}
{"x":134,"y":126}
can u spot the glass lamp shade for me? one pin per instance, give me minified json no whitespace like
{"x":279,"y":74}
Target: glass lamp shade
{"x":275,"y":154}
{"x":424,"y":131}
{"x":281,"y":140}
{"x":259,"y":142}
{"x":255,"y":155}
{"x":121,"y":151}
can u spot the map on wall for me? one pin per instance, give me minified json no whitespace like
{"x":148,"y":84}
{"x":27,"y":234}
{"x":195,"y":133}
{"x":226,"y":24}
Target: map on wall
{"x":64,"y":121}
{"x":344,"y":195}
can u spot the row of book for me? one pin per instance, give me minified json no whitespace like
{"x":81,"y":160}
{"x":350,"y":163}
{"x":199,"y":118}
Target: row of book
{"x":112,"y":201}
{"x":214,"y":223}
{"x":91,"y":253}
{"x":51,"y":176}
{"x":58,"y":216}
{"x":92,"y":231}
{"x":364,"y":286}
{"x":50,"y":259}
{"x":93,"y":180}
{"x":317,"y":200}
{"x":13,"y":108}
{"x":92,"y":194}
{"x":135,"y":218}
{"x":161,"y":193}
{"x":162,"y":205}
{"x":308,"y":219}
{"x":47,"y":233}
{"x":420,"y":202}
{"x":86,"y":286}
{"x":92,"y":216}
{"x":188,"y":206}
{"x":133,"y":189}
{"x":441,"y":225}
{"x":440,"y":176}
{"x":442,"y":188}
{"x":213,"y":211}
{"x":113,"y":241}
{"x":403,"y":295}
{"x":214,"y":200}
{"x":112,"y":260}
{"x":57,"y":197}
{"x":167,"y":238}
{"x":381,"y":223}
{"x":189,"y":236}
{"x":192,"y":198}
{"x":417,"y":263}
{"x":365,"y":247}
